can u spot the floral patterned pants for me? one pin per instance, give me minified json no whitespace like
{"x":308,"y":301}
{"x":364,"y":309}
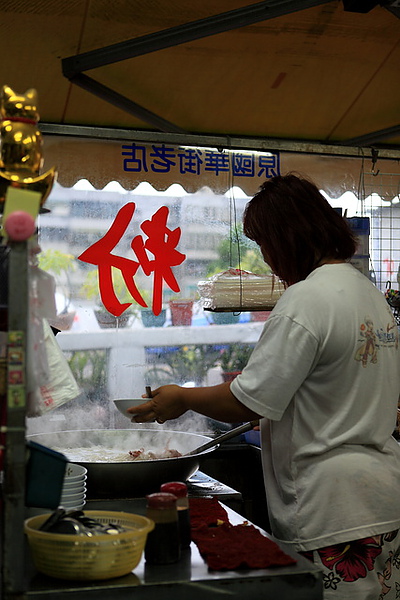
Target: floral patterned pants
{"x":367,"y":569}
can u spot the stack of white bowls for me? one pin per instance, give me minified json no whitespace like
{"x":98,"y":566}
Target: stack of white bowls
{"x":73,"y":493}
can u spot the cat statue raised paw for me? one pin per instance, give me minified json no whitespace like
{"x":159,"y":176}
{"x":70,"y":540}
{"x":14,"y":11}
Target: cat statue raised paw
{"x":21,"y":145}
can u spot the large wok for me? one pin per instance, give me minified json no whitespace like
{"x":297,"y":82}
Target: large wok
{"x":111,"y":479}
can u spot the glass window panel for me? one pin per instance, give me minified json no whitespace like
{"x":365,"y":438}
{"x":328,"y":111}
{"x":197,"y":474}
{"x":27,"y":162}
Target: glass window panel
{"x":118,"y":361}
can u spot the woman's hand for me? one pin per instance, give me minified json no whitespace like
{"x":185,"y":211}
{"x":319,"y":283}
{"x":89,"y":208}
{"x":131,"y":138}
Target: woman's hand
{"x":172,"y":401}
{"x":167,"y":402}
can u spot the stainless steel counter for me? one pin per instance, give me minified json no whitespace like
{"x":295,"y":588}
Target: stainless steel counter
{"x":189,"y":577}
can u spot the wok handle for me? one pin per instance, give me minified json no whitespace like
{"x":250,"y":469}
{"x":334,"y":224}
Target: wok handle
{"x":223,"y":437}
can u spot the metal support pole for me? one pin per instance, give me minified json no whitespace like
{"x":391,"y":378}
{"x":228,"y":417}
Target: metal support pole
{"x":13,"y":564}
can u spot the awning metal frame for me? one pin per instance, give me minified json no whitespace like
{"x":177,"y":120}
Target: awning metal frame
{"x":221,"y":142}
{"x":74,"y":66}
{"x":194,"y":30}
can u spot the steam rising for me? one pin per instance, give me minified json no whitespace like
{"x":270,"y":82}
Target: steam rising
{"x":105,"y":416}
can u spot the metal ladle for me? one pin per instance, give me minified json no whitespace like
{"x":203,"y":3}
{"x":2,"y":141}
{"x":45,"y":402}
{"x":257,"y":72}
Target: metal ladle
{"x":224,"y":437}
{"x":220,"y":438}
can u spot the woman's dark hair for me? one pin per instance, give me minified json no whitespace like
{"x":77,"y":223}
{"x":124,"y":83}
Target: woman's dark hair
{"x":296,"y":227}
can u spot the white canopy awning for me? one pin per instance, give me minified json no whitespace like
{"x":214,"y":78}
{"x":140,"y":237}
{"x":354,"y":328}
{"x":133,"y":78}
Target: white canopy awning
{"x":163,"y":164}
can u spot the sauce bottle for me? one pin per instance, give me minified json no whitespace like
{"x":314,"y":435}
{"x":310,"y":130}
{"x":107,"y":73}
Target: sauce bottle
{"x":179,"y":490}
{"x":162,"y":545}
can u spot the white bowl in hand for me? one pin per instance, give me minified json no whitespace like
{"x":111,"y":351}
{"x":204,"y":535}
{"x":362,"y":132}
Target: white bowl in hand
{"x":124,"y":403}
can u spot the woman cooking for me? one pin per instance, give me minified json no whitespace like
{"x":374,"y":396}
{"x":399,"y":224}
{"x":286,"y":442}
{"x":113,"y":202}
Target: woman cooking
{"x":324,"y":380}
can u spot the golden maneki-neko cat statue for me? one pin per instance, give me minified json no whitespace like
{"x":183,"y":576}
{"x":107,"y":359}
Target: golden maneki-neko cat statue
{"x":21,"y":146}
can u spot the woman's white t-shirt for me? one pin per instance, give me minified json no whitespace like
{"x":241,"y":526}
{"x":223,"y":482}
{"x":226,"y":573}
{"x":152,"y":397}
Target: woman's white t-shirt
{"x":325,"y":374}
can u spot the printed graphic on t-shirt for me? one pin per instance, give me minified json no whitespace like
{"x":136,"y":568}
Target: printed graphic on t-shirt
{"x":372,"y":340}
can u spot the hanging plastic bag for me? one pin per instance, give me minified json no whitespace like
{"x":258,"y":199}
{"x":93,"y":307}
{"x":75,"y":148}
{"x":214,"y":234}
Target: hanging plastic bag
{"x":59,"y":385}
{"x":42,"y":305}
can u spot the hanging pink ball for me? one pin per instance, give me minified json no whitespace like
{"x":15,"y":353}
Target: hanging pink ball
{"x":19,"y":225}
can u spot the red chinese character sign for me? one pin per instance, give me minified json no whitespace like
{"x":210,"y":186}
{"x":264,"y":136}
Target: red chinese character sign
{"x":156,"y":254}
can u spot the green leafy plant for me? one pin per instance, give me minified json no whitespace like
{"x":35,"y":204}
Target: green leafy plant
{"x":56,"y":262}
{"x":183,"y":364}
{"x":89,"y":368}
{"x":253,"y":261}
{"x":238,"y":251}
{"x":235,"y":356}
{"x":60,"y":265}
{"x":183,"y":296}
{"x":90,"y":289}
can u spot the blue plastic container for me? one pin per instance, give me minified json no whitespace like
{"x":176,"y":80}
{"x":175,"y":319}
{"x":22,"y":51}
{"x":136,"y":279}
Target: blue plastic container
{"x":360,"y":225}
{"x":253,"y":437}
{"x":45,"y":472}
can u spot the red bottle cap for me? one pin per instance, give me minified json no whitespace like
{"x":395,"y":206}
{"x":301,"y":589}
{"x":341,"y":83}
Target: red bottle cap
{"x":161,"y":500}
{"x":177,"y":488}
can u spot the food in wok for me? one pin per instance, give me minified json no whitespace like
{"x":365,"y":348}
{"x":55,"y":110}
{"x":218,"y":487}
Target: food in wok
{"x":111,"y":473}
{"x":142,"y":455}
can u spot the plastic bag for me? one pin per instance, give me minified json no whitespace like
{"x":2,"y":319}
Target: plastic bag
{"x":240,"y":290}
{"x":42,"y":305}
{"x":59,"y":385}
